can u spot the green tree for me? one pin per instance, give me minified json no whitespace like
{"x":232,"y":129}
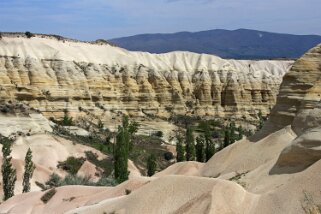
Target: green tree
{"x":151,"y":165}
{"x":227,"y":137}
{"x":232,"y":130}
{"x":9,"y":175}
{"x":122,"y":147}
{"x":240,"y":133}
{"x":261,"y":120}
{"x":29,"y":169}
{"x":121,"y":156}
{"x":200,"y":151}
{"x":190,"y":144}
{"x":209,"y":149}
{"x":209,"y":144}
{"x":180,"y":150}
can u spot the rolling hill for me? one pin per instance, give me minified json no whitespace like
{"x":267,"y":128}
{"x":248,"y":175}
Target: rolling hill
{"x":237,"y":44}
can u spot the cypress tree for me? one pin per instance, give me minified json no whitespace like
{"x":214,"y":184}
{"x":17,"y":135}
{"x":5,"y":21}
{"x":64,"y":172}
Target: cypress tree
{"x":122,"y":147}
{"x":209,"y":149}
{"x":200,"y":149}
{"x":121,"y":156}
{"x":233,"y":136}
{"x":151,"y":165}
{"x":29,"y":169}
{"x":226,"y":137}
{"x":190,"y":145}
{"x":9,"y":175}
{"x":180,"y":150}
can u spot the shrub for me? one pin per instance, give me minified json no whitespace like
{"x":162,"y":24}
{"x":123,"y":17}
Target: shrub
{"x":54,"y":180}
{"x":76,"y":180}
{"x":9,"y":175}
{"x":104,"y":181}
{"x":29,"y":34}
{"x":48,"y":195}
{"x":180,"y":149}
{"x":151,"y":165}
{"x":41,"y":185}
{"x":67,"y":121}
{"x":159,"y":134}
{"x":168,"y":156}
{"x":71,"y":165}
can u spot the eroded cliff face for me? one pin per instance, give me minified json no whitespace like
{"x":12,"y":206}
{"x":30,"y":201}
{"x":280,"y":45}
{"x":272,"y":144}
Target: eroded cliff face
{"x":98,"y":79}
{"x":298,"y":103}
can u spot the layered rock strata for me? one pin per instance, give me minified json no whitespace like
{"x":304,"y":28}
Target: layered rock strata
{"x":54,"y":75}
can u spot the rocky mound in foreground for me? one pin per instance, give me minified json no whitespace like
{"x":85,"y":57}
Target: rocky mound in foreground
{"x":55,"y":75}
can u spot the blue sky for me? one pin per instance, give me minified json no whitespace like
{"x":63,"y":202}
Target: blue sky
{"x":93,"y":19}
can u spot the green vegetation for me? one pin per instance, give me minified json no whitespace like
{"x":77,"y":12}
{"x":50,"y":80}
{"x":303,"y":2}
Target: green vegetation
{"x":29,"y":169}
{"x":71,"y":165}
{"x":56,"y":181}
{"x":67,"y":121}
{"x":48,"y":195}
{"x":190,"y":145}
{"x":212,"y":136}
{"x":261,"y":120}
{"x":122,"y":148}
{"x":53,"y":181}
{"x":200,"y":151}
{"x":105,"y":164}
{"x":159,"y":134}
{"x":180,"y":149}
{"x":151,"y":165}
{"x":29,"y":34}
{"x":9,"y":175}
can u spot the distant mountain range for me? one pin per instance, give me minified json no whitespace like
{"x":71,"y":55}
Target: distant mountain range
{"x":237,"y":44}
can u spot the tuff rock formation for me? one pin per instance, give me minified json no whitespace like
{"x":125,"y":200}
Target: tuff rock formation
{"x":276,"y":171}
{"x":53,"y":75}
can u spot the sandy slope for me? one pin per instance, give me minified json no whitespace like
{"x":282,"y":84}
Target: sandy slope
{"x":47,"y":150}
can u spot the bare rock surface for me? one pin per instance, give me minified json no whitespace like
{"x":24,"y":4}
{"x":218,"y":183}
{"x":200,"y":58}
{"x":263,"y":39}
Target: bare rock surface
{"x":54,"y":75}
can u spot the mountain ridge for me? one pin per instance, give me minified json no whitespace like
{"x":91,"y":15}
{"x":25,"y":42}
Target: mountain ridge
{"x":238,"y":44}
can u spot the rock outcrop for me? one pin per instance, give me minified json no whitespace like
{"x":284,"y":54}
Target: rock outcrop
{"x":278,"y":173}
{"x":298,"y":103}
{"x":54,"y":75}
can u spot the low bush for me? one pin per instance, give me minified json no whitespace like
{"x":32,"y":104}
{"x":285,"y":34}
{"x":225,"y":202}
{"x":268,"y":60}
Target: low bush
{"x":29,"y":34}
{"x":159,"y":134}
{"x":48,"y":195}
{"x":72,"y":164}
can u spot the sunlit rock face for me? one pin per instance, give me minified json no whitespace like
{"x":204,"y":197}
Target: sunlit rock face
{"x":55,"y":75}
{"x":298,"y":103}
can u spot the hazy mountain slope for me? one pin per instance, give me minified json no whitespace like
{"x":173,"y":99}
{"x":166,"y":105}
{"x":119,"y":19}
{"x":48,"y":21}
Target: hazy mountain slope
{"x":241,"y":44}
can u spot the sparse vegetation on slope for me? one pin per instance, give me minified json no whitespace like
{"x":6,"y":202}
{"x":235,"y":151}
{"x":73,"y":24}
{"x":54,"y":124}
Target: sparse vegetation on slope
{"x":9,"y":175}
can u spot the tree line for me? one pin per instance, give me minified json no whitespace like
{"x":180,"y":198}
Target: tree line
{"x":207,"y":144}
